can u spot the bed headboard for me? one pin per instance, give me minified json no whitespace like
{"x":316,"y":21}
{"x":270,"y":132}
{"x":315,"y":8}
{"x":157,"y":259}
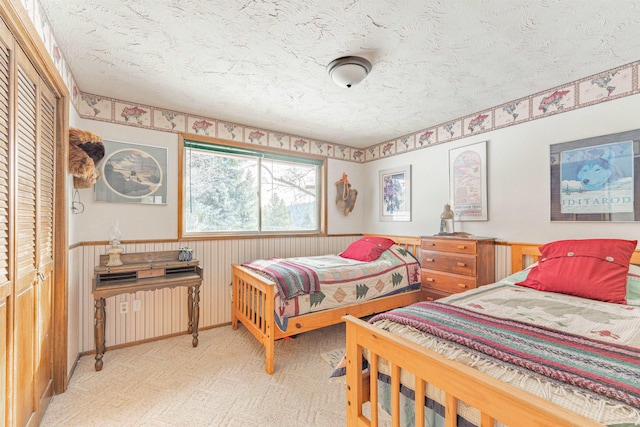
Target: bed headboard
{"x":520,"y":252}
{"x":410,"y":243}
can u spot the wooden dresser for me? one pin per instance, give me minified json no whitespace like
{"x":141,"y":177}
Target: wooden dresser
{"x":452,"y":264}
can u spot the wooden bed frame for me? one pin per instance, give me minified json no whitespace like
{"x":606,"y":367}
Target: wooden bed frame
{"x":494,"y":399}
{"x":254,"y":306}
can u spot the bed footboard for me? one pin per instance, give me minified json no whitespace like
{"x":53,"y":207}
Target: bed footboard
{"x":494,"y":399}
{"x":253,"y":305}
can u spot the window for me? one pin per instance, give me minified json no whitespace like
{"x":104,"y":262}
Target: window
{"x":233,"y":189}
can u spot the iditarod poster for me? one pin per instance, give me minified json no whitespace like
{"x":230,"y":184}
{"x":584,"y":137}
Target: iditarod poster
{"x":597,"y":179}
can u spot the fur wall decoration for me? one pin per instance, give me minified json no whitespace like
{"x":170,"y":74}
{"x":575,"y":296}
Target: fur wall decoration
{"x":346,"y":196}
{"x":85,"y":152}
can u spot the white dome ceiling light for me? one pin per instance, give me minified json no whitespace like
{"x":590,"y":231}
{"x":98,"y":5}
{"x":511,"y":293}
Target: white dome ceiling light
{"x":348,"y":71}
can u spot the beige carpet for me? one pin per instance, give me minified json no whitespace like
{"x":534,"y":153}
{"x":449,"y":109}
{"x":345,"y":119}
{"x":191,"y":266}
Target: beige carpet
{"x":221,"y":382}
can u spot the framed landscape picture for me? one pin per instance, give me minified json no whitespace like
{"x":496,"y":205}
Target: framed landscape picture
{"x":132,"y":173}
{"x":596,"y":179}
{"x":395,"y":194}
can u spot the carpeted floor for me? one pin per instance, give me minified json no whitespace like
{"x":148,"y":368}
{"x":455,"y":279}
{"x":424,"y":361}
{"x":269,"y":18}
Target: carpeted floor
{"x":222,"y":382}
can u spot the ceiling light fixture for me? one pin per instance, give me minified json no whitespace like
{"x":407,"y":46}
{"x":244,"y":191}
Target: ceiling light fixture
{"x":348,"y":71}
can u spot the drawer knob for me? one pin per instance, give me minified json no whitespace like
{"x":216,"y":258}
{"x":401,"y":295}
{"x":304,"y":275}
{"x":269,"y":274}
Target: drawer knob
{"x":461,"y":264}
{"x":462,"y":285}
{"x":430,"y":279}
{"x":430,"y":260}
{"x":462,"y":246}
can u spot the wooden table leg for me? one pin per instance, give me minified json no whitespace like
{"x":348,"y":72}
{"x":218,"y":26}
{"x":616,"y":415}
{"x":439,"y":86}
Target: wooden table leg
{"x":99,"y":320}
{"x":190,"y":308}
{"x":196,"y":314}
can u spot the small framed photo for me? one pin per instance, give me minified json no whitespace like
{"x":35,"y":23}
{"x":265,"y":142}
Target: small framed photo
{"x":395,"y":194}
{"x":468,"y":182}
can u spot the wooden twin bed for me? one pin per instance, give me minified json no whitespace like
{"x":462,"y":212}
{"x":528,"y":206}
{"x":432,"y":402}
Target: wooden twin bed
{"x":406,"y":363}
{"x":254,"y":306}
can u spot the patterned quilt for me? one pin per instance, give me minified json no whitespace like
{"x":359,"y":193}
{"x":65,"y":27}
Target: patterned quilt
{"x":599,"y":367}
{"x":345,"y":281}
{"x":591,"y":326}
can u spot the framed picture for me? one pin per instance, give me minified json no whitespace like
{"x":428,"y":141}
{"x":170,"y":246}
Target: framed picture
{"x":595,"y":179}
{"x":132,"y":173}
{"x":468,"y":182}
{"x":395,"y":194}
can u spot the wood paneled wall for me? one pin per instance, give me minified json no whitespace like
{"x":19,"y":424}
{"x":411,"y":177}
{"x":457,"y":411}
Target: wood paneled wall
{"x":164,"y":312}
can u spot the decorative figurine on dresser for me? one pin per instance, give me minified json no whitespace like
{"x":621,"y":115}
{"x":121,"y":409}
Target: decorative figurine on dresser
{"x":452,"y":264}
{"x":145,"y":271}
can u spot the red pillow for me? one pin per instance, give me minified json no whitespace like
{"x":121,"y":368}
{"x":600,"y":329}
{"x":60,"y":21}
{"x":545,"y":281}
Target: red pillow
{"x":594,"y":268}
{"x":367,"y":249}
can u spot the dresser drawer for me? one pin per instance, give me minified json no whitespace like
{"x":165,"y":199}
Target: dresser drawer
{"x":452,"y":283}
{"x":449,"y":262}
{"x":430,"y":294}
{"x":449,"y":245}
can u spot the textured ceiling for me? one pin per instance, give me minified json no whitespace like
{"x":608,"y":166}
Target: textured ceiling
{"x":262,"y":63}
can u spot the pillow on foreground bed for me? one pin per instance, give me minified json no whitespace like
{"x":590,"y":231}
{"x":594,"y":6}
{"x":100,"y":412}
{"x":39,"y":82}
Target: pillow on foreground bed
{"x":367,"y":249}
{"x":593,"y":268}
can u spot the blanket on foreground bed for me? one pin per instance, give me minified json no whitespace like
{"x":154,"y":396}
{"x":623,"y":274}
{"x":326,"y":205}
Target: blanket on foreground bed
{"x":292,"y":279}
{"x":607,"y":369}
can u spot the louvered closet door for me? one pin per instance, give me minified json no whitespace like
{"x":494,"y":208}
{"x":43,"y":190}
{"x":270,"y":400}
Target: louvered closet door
{"x":26,"y":287}
{"x":44,"y":247}
{"x":6,"y":286}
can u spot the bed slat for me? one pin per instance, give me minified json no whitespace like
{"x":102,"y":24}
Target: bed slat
{"x":451,"y":411}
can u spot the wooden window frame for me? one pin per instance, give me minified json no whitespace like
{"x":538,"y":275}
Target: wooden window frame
{"x":184,"y":235}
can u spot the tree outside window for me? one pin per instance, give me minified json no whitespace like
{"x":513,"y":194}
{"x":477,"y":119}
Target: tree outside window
{"x":229,"y":189}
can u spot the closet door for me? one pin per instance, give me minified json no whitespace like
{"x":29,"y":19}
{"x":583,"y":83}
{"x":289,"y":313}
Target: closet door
{"x":34,"y":225}
{"x":6,"y":286}
{"x":44,"y":247}
{"x":30,"y":115}
{"x":27,"y":280}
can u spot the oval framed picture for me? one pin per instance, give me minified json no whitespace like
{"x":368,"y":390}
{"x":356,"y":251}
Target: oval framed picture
{"x":132,"y":173}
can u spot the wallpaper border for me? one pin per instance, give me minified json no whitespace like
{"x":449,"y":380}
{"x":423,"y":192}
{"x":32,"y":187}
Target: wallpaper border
{"x":605,"y":86}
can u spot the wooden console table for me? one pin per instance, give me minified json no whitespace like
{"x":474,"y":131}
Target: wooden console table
{"x":144,"y":271}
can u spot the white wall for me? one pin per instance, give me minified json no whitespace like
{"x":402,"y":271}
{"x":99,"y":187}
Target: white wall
{"x":339,"y":223}
{"x":137,"y":221}
{"x":518,"y":179}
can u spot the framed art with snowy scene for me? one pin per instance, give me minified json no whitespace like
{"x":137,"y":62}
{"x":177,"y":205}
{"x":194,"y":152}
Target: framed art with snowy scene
{"x":596,"y":179}
{"x":132,"y":173}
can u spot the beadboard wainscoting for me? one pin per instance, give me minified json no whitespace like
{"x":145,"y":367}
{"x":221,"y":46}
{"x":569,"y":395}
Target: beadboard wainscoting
{"x":503,"y":261}
{"x":164,"y":312}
